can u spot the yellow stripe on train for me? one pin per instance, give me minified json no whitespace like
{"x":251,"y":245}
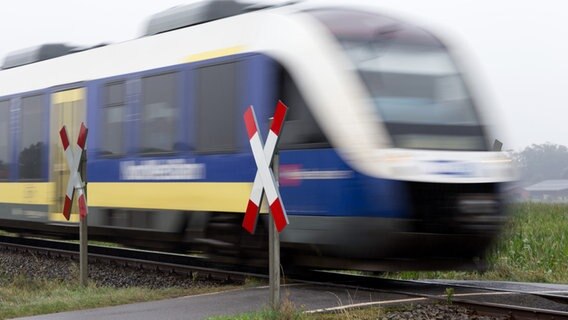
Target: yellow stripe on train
{"x":33,"y":193}
{"x":222,"y":52}
{"x":188,"y":196}
{"x":58,"y":217}
{"x":191,"y":196}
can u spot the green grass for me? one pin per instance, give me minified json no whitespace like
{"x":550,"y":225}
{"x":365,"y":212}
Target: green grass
{"x":532,"y":248}
{"x":25,"y":297}
{"x":535,"y":246}
{"x":288,"y":311}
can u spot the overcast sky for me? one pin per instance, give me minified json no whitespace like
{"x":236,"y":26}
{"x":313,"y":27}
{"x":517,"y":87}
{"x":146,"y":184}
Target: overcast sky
{"x":517,"y":49}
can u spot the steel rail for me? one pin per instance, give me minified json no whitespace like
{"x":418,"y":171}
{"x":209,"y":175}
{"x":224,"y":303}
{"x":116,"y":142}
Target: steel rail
{"x":190,"y":265}
{"x":378,"y":281}
{"x":406,"y":287}
{"x":563,"y":299}
{"x":177,"y":263}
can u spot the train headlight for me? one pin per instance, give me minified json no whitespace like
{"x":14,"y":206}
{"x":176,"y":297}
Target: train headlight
{"x":500,"y":166}
{"x":400,"y":164}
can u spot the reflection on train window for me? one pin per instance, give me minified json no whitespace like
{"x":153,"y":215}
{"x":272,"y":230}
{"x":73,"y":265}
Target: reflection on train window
{"x":4,"y":139}
{"x":114,"y":119}
{"x":301,"y":130}
{"x":159,"y":113}
{"x":216,"y":107}
{"x":33,"y":138}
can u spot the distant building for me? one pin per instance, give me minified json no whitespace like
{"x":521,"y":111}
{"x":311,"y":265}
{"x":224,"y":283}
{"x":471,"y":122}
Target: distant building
{"x":548,"y":191}
{"x":515,"y":192}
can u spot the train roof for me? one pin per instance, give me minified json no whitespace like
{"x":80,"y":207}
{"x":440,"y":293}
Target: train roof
{"x":166,"y":21}
{"x":36,"y":54}
{"x":279,"y":29}
{"x":59,"y":64}
{"x":193,"y":14}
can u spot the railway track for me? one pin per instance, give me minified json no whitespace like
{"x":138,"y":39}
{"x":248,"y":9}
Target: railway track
{"x":166,"y":262}
{"x":516,"y":304}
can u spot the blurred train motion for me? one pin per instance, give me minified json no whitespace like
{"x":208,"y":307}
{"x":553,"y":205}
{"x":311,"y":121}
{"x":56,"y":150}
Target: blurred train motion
{"x":386,"y":161}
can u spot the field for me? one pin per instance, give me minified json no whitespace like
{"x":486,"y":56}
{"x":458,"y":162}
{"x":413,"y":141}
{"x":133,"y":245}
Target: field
{"x":25,"y":297}
{"x":532,"y":248}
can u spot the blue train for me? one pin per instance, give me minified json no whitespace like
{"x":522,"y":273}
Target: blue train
{"x":385,"y":157}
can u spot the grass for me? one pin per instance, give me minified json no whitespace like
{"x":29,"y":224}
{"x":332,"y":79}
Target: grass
{"x":535,"y":246}
{"x":532,"y":248}
{"x":290,"y":312}
{"x":25,"y":297}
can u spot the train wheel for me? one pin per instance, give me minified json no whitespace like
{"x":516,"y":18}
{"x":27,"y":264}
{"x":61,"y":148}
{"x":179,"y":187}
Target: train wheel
{"x":228,"y":242}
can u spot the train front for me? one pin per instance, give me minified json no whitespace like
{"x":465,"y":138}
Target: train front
{"x":421,"y":189}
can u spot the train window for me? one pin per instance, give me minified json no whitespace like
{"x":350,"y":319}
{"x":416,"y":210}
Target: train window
{"x":159,"y":113}
{"x":33,"y":137}
{"x":4,"y":139}
{"x":216,"y":108}
{"x":417,"y":89}
{"x":114,"y":119}
{"x":301,"y":130}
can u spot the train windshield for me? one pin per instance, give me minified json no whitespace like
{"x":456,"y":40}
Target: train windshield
{"x":416,"y":87}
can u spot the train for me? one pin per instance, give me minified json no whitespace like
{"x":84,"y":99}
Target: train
{"x":386,"y":160}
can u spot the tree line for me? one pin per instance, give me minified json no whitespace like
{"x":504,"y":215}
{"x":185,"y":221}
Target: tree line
{"x":539,"y":162}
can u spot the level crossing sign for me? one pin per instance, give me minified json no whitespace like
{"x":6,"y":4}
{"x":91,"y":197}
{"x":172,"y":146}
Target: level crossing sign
{"x":75,"y":182}
{"x":264,"y":180}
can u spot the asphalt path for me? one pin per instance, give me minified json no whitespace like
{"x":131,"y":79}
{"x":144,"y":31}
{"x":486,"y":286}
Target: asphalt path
{"x":304,"y":297}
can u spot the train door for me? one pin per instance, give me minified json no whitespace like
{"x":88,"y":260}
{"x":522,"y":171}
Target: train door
{"x":68,"y":108}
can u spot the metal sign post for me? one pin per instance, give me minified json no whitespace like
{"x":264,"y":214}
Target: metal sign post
{"x":265,"y":181}
{"x":274,"y":249}
{"x":76,"y":160}
{"x":83,"y":237}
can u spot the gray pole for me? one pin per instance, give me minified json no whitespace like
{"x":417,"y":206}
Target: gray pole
{"x":84,"y":259}
{"x":83,"y":246}
{"x":274,"y":249}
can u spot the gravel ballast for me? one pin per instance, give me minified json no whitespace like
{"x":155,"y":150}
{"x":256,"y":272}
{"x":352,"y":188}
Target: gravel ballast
{"x":437,"y":311}
{"x":35,"y":266}
{"x":15,"y":264}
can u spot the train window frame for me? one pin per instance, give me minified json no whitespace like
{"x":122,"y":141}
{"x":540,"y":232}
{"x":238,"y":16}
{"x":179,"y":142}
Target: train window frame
{"x":177,"y":107}
{"x":37,"y":162}
{"x":205,"y":125}
{"x":300,"y":122}
{"x":6,"y":136}
{"x":109,"y":103}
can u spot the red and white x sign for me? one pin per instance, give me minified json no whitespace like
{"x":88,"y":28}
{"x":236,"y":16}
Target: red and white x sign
{"x":264,"y":179}
{"x":75,"y":181}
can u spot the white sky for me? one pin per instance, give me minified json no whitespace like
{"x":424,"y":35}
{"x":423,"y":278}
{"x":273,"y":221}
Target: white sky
{"x":517,"y":49}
